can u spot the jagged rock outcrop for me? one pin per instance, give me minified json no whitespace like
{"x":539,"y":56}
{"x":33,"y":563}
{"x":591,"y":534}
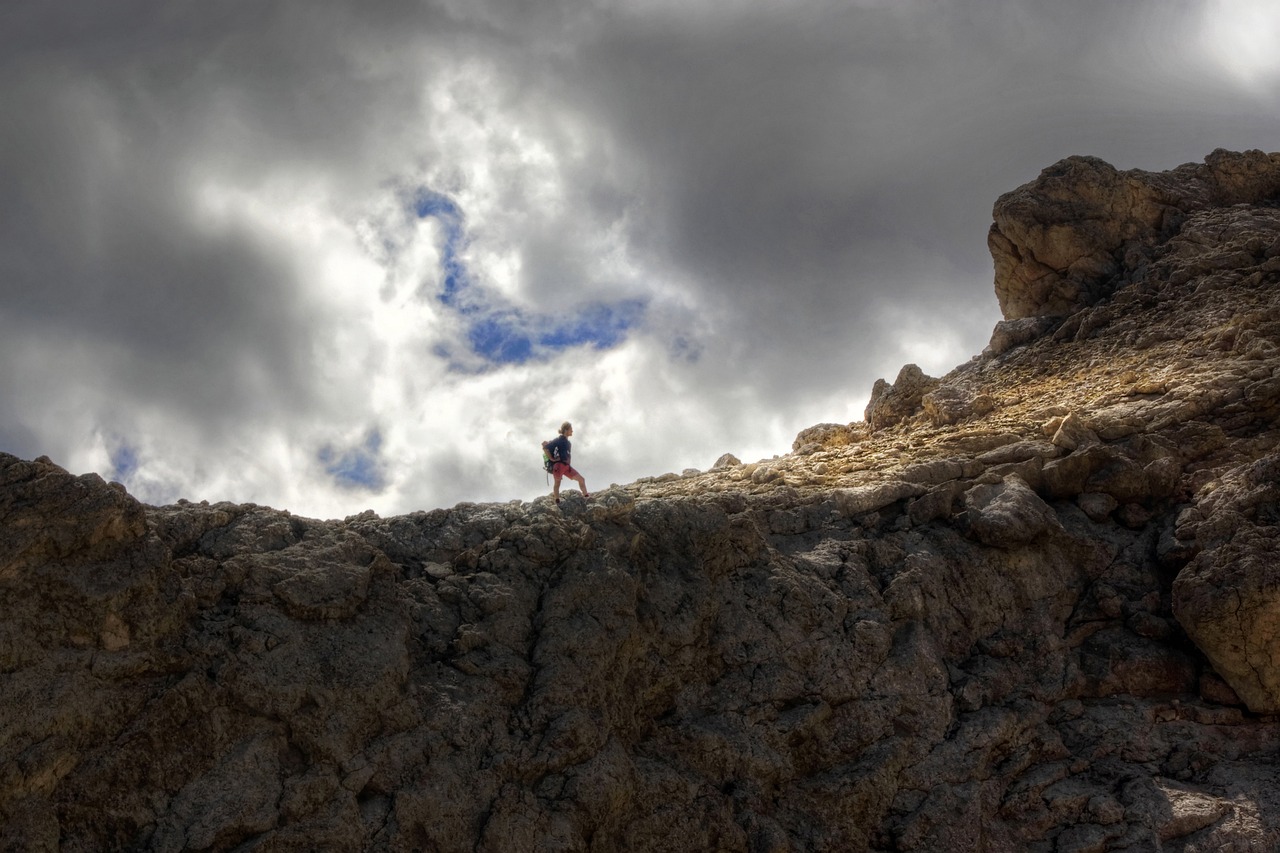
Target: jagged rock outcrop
{"x":892,"y":404}
{"x":1029,"y":608}
{"x":1072,"y":236}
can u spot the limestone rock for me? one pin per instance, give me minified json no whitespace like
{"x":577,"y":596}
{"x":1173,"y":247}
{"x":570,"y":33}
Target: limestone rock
{"x":727,"y":460}
{"x":1095,"y":468}
{"x":1012,"y":333}
{"x":1019,"y":451}
{"x":933,"y":472}
{"x":1097,"y":506}
{"x":951,"y":404}
{"x":1059,"y":242}
{"x":47,"y":514}
{"x":1008,"y":514}
{"x":872,"y":498}
{"x":829,"y":436}
{"x":1228,"y":596}
{"x":1070,"y":433}
{"x":892,"y":404}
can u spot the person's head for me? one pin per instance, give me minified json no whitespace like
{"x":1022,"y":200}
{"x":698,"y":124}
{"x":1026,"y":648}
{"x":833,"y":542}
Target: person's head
{"x":566,"y":428}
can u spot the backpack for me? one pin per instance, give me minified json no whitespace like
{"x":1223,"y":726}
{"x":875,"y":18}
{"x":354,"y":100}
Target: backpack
{"x":547,"y":462}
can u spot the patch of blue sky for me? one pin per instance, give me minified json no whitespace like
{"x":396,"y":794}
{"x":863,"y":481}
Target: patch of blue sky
{"x":500,"y":339}
{"x":126,"y":469}
{"x":455,"y":279}
{"x":124,"y":463}
{"x":358,"y":467}
{"x":499,"y":333}
{"x":512,"y":337}
{"x":598,"y":324}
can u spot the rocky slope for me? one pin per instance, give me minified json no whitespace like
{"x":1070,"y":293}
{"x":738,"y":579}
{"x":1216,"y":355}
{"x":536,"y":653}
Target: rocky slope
{"x":1031,"y":605}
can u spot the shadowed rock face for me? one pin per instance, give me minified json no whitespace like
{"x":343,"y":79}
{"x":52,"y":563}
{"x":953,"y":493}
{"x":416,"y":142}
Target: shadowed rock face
{"x":1028,"y":605}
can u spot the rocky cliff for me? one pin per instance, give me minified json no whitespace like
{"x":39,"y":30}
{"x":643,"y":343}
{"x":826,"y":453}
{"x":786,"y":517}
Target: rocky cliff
{"x":1030,"y":605}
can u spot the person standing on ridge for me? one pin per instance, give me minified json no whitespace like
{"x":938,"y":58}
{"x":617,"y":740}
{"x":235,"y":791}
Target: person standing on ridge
{"x":558,"y":450}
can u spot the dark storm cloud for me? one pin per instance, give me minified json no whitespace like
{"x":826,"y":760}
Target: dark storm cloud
{"x":97,"y":252}
{"x":809,"y":162}
{"x":117,"y":116}
{"x":784,"y":145}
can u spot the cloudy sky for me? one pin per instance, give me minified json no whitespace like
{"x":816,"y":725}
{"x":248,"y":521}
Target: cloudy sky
{"x":329,"y":256}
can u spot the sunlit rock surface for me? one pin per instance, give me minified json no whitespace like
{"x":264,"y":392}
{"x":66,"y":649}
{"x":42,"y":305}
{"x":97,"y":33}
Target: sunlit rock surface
{"x":1029,"y":605}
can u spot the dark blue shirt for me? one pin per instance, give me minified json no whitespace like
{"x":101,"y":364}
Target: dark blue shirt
{"x":558,"y":449}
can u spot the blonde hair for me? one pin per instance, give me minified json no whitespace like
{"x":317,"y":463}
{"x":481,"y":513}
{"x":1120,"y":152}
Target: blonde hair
{"x":565,"y":427}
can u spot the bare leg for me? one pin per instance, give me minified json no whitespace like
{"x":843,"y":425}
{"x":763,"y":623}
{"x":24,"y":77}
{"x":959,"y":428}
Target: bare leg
{"x":556,"y":491}
{"x":582,"y":485}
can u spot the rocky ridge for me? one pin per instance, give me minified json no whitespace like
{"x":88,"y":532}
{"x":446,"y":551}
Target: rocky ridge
{"x":1028,"y":605}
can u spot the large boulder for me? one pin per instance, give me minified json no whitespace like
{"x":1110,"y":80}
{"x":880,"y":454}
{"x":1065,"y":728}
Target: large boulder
{"x":1061,"y":241}
{"x":1228,"y":597}
{"x":1007,"y":514}
{"x":893,"y":404}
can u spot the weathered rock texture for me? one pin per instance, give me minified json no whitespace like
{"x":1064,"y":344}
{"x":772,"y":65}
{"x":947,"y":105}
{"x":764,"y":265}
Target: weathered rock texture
{"x":1028,"y":606}
{"x":1083,"y":228}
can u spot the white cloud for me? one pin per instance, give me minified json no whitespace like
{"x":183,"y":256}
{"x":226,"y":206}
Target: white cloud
{"x":1243,"y":38}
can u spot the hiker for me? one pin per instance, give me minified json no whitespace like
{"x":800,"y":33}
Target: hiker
{"x":557,"y":450}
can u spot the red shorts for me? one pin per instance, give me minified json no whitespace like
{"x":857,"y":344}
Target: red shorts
{"x":560,"y":469}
